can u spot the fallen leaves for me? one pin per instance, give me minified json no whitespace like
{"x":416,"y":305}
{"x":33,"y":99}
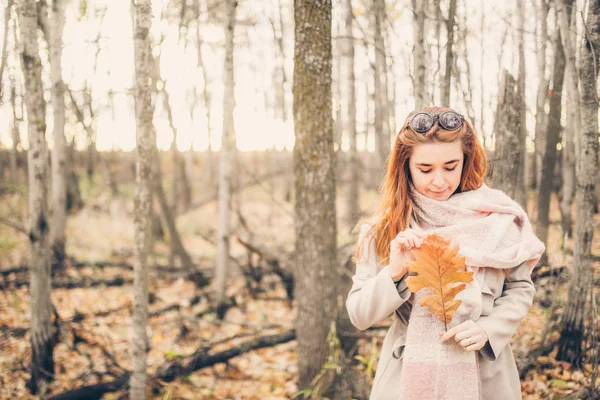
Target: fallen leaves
{"x":439,"y":268}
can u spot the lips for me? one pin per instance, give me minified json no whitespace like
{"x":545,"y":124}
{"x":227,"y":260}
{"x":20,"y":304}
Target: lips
{"x":438,"y":193}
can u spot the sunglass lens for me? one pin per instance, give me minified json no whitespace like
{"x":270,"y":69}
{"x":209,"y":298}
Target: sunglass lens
{"x":421,"y":122}
{"x":450,"y":121}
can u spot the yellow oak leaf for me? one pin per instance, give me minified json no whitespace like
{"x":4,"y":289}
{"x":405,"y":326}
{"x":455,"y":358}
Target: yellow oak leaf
{"x":438,"y":267}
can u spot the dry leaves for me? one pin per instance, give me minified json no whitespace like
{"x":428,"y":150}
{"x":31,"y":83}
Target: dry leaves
{"x":439,"y":268}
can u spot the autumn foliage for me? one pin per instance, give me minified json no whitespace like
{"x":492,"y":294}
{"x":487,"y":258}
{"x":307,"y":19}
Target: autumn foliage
{"x":438,"y":267}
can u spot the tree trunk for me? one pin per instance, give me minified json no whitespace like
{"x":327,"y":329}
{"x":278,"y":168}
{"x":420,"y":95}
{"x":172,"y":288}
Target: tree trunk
{"x":569,"y":37}
{"x":571,"y":336}
{"x":206,"y":96}
{"x":54,"y":24}
{"x":419,"y":54}
{"x":568,"y":165}
{"x":42,"y":364}
{"x":445,"y":97}
{"x":382,"y":137}
{"x":521,"y":184}
{"x":353,"y":198}
{"x":226,"y":162}
{"x":146,"y":156}
{"x":481,"y":83}
{"x":16,"y":137}
{"x":281,"y":76}
{"x":508,"y":152}
{"x":314,"y":167}
{"x":176,"y":244}
{"x":337,"y":97}
{"x":542,"y":93}
{"x":552,"y":138}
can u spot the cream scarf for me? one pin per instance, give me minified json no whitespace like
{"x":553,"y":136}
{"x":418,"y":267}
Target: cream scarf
{"x":493,"y":231}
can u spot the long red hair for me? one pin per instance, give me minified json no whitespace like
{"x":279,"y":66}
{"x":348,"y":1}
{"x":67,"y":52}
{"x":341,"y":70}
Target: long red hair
{"x":395,"y":208}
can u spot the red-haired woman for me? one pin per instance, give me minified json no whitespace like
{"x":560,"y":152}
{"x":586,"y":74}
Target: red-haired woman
{"x":434,"y":184}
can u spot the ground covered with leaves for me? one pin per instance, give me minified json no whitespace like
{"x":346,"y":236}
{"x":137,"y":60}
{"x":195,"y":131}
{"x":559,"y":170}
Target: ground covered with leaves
{"x":94,"y":314}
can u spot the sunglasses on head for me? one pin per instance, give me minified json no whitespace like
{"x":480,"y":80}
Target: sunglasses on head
{"x":422,"y":122}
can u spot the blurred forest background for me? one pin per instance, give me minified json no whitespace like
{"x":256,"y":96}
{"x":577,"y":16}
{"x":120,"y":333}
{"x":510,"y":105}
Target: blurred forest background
{"x":181,"y":180}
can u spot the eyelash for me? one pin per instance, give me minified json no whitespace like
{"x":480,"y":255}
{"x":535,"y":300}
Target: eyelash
{"x":447,"y":169}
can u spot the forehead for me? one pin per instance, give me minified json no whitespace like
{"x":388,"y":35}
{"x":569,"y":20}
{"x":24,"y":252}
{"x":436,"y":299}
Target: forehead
{"x":436,"y":152}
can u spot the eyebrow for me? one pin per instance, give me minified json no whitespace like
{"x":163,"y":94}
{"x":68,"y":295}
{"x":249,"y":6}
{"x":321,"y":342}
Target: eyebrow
{"x":429,"y":165}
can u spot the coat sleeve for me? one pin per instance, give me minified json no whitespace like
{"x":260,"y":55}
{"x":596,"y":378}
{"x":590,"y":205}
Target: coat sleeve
{"x":508,"y":311}
{"x":373,"y":295}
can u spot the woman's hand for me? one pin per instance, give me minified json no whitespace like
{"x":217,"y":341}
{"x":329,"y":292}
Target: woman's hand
{"x":470,"y":335}
{"x":400,"y":255}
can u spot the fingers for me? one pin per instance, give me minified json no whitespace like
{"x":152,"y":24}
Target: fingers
{"x":409,"y":238}
{"x":467,"y":334}
{"x":458,"y":330}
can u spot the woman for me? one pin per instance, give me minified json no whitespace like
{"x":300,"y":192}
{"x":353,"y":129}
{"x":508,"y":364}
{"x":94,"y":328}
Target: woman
{"x":434,"y":184}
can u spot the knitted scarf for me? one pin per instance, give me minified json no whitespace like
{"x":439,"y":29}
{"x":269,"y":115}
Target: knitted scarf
{"x":492,"y":231}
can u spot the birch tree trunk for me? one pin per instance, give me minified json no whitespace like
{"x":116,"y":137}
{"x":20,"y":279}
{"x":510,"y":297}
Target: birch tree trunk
{"x":146,"y":155}
{"x":445,"y":97}
{"x":573,"y":319}
{"x":15,"y":135}
{"x":353,"y":198}
{"x":507,"y":152}
{"x":419,"y":54}
{"x":53,"y":30}
{"x":4,"y":54}
{"x":226,"y":161}
{"x":521,"y":194}
{"x":42,"y":364}
{"x":279,"y":34}
{"x":552,"y":138}
{"x":314,"y":166}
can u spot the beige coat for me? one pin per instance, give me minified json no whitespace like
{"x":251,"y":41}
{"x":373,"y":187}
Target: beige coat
{"x":374,"y":296}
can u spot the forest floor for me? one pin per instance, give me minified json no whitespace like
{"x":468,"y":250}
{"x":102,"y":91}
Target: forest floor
{"x":99,"y":316}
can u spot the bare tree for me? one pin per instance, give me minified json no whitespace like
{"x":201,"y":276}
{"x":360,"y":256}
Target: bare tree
{"x":507,"y":151}
{"x":542,"y":91}
{"x":382,"y":136}
{"x":42,"y":365}
{"x":353,"y":185}
{"x":227,"y":154}
{"x":206,"y":95}
{"x":419,"y":54}
{"x":568,"y":35}
{"x":552,"y":138}
{"x":314,"y":167}
{"x":481,"y":83}
{"x":14,"y":128}
{"x":53,"y":24}
{"x":4,"y":54}
{"x":521,"y":191}
{"x":445,"y":87}
{"x":146,"y":154}
{"x":571,"y":336}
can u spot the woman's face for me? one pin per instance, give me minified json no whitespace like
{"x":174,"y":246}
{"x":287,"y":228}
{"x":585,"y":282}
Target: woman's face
{"x":436,"y":168}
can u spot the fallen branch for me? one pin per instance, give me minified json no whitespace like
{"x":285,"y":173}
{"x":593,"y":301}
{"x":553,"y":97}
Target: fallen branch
{"x":177,"y":368}
{"x":110,"y":264}
{"x":65,"y":283}
{"x":287,"y":278}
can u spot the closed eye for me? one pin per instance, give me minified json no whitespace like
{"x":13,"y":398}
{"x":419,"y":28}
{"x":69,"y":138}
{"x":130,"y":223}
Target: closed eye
{"x":447,"y":169}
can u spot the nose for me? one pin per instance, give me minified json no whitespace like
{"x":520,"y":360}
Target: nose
{"x":438,"y":179}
